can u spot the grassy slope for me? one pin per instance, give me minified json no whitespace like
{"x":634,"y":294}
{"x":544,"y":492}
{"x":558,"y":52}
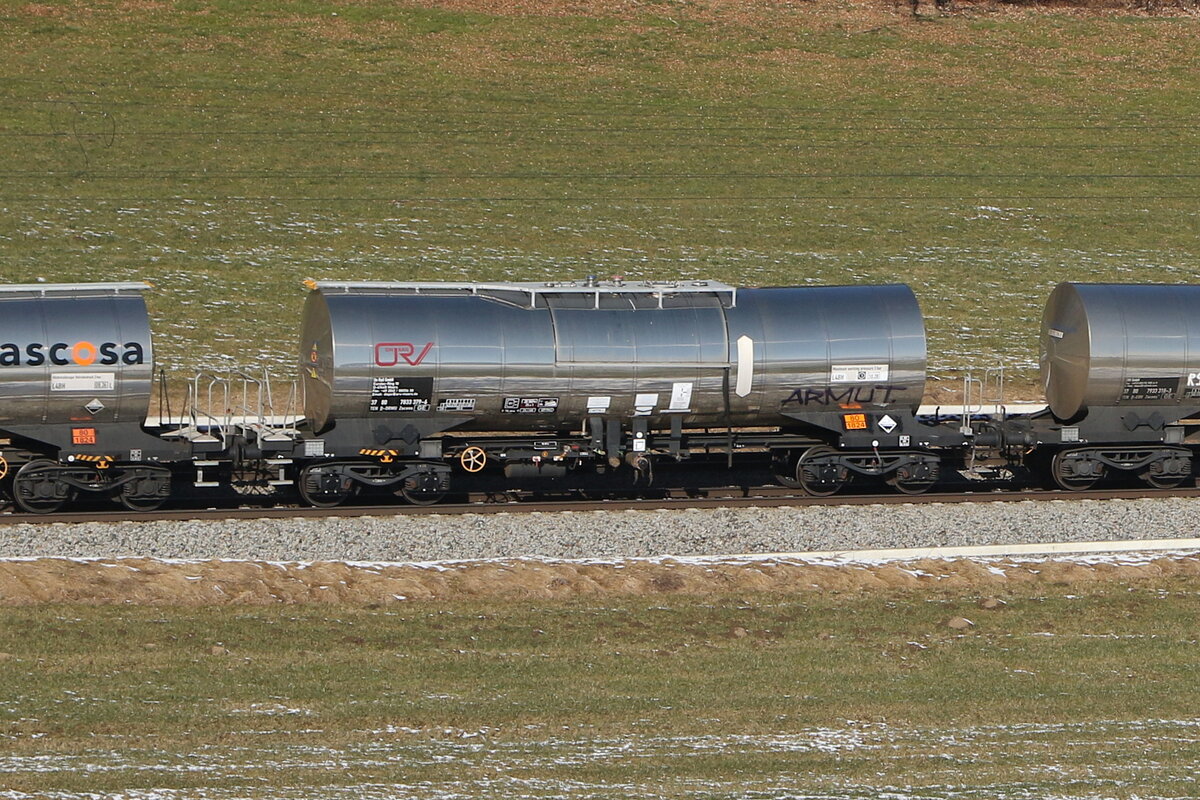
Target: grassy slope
{"x":1058,"y":693}
{"x":226,"y":150}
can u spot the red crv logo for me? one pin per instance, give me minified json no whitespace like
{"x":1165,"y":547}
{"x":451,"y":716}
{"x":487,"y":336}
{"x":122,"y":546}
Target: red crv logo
{"x":389,"y":354}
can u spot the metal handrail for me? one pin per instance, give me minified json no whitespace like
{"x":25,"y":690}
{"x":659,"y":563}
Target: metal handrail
{"x":195,"y":413}
{"x":74,"y":288}
{"x":535,"y":290}
{"x":257,"y":406}
{"x":246,"y":409}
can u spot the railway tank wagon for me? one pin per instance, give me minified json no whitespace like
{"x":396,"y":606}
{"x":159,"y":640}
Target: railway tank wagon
{"x":76,"y":378}
{"x":407,"y":383}
{"x":425,"y":388}
{"x":76,"y":367}
{"x":1120,"y":364}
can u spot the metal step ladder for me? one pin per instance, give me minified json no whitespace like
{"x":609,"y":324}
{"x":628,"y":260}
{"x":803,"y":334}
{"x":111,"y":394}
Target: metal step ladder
{"x":224,"y":410}
{"x":253,"y":414}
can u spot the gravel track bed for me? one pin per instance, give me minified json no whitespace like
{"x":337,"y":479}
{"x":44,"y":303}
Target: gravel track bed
{"x":612,"y":534}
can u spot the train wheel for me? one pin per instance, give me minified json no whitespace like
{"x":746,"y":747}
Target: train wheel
{"x":1075,"y":472}
{"x":5,"y":491}
{"x":783,"y":468}
{"x":904,"y":487}
{"x":323,"y":488}
{"x":1160,"y":480}
{"x":908,"y":481}
{"x":817,"y":479}
{"x":423,"y":488}
{"x":147,"y":491}
{"x":140,"y":503}
{"x":420,"y":497}
{"x":37,"y":489}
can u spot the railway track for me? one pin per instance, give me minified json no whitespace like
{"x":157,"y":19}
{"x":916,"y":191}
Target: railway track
{"x":758,"y":497}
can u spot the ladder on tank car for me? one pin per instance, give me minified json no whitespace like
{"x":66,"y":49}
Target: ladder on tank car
{"x":231,"y":414}
{"x":980,"y":392}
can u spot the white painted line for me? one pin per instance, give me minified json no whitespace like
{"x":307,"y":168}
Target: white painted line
{"x":982,"y":551}
{"x":1188,"y":547}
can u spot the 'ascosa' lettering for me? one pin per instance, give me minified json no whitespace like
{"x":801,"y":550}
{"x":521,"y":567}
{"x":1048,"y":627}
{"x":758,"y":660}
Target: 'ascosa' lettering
{"x":61,"y":354}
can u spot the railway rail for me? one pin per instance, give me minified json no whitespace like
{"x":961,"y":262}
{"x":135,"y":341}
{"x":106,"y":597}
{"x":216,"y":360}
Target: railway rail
{"x":761,"y":497}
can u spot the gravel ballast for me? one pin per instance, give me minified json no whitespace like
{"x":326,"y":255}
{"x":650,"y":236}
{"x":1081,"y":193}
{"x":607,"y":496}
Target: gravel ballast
{"x":611,"y":534}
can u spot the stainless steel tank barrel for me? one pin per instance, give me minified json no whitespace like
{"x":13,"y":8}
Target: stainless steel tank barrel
{"x":1120,"y":344}
{"x":74,"y":352}
{"x":534,"y":356}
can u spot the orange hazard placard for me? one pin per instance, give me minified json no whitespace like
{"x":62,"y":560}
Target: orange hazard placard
{"x":855,"y":422}
{"x":83,"y":435}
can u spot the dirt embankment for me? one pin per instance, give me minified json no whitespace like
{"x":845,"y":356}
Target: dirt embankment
{"x":154,"y":582}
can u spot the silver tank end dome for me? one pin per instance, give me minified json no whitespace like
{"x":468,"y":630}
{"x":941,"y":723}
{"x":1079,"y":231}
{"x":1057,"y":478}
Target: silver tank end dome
{"x":1065,"y":350}
{"x":1109,"y":345}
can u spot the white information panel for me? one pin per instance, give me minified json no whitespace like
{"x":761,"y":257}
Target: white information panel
{"x":83,"y":381}
{"x":598,"y":405}
{"x":858,"y":373}
{"x":681,"y":397}
{"x":644,"y":404}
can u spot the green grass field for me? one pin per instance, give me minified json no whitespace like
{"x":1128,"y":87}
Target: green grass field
{"x":1066,"y":692}
{"x":227,"y":150}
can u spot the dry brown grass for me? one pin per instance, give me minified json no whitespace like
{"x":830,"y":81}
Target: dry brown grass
{"x":146,"y":581}
{"x":753,"y":12}
{"x":750,"y":13}
{"x":39,"y":10}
